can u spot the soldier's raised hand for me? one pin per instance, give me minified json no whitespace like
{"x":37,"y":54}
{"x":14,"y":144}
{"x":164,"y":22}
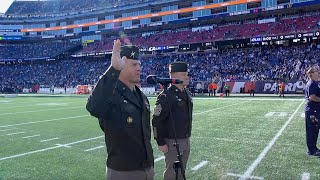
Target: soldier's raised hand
{"x":116,"y":61}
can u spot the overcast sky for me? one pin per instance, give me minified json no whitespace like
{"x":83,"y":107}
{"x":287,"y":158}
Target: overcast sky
{"x":5,"y":5}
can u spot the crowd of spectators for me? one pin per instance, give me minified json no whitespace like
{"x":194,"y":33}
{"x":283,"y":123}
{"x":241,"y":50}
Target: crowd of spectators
{"x":32,"y":50}
{"x":287,"y":25}
{"x":252,"y":64}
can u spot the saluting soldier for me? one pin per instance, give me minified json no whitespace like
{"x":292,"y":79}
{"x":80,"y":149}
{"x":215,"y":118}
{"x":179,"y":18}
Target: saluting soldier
{"x":123,"y":112}
{"x":177,"y":101}
{"x":312,"y":111}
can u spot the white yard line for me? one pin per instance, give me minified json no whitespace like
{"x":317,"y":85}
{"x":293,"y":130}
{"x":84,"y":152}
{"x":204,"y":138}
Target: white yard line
{"x":3,"y":130}
{"x":225,"y":139}
{"x":47,"y":149}
{"x":91,"y":149}
{"x":17,"y":102}
{"x":63,"y":145}
{"x":27,"y":153}
{"x":28,"y":104}
{"x":44,"y":110}
{"x":49,"y":120}
{"x":46,"y":140}
{"x":253,"y":166}
{"x":36,"y":103}
{"x":73,"y":117}
{"x":31,"y":136}
{"x":15,"y":133}
{"x":77,"y":142}
{"x":195,"y":168}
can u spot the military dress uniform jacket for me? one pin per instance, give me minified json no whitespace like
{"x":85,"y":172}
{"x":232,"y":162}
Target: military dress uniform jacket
{"x":125,"y":119}
{"x":181,"y":112}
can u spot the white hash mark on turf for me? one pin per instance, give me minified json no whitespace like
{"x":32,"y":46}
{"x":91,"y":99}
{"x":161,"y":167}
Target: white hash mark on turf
{"x":63,"y":145}
{"x":269,"y":114}
{"x":46,"y":140}
{"x":283,"y":114}
{"x":278,"y":114}
{"x":305,"y":176}
{"x":199,"y":165}
{"x":15,"y":133}
{"x":31,"y":136}
{"x":91,"y":149}
{"x":47,"y":149}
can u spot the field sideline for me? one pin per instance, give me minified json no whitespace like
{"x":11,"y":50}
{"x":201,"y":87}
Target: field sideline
{"x":240,"y":137}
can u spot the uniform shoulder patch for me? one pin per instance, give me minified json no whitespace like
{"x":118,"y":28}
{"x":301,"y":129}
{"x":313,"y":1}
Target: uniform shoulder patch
{"x":157,"y":110}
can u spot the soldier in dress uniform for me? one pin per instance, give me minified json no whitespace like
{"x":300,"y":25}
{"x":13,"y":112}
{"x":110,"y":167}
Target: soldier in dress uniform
{"x":123,"y":112}
{"x":173,"y":119}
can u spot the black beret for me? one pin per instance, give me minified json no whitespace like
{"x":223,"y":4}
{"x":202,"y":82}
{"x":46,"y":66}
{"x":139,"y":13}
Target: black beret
{"x":130,"y":51}
{"x":178,"y":67}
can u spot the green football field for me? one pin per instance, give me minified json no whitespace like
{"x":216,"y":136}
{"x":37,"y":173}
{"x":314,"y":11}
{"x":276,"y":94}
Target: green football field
{"x":232,"y":138}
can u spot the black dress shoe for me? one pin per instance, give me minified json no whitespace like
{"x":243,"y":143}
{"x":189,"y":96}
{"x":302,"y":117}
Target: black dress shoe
{"x":316,"y":154}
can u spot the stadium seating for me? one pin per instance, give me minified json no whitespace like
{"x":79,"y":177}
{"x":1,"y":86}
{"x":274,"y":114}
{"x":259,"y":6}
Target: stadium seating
{"x":223,"y":32}
{"x":243,"y":64}
{"x":295,"y":25}
{"x":35,"y":50}
{"x":58,"y":6}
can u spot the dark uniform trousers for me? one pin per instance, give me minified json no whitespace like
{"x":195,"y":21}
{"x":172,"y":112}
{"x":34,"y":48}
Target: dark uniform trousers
{"x":312,"y":130}
{"x":228,"y":92}
{"x":171,"y":156}
{"x":147,"y":174}
{"x":212,"y":92}
{"x":252,"y":92}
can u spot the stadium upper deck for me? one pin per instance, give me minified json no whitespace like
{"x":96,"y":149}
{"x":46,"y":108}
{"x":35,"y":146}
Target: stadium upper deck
{"x":41,"y":18}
